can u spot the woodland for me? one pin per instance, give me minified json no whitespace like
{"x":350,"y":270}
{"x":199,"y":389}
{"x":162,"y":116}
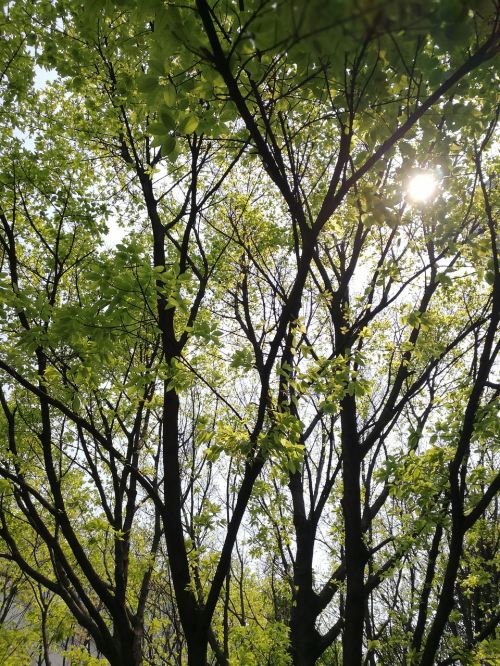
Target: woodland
{"x":249,"y":333}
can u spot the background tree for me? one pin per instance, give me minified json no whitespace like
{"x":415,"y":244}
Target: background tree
{"x":278,"y":324}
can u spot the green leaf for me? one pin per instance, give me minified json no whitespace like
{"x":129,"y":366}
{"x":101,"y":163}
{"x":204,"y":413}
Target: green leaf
{"x":167,"y":120}
{"x":169,"y":95}
{"x":168,"y":144}
{"x":147,"y":83}
{"x":190,"y":124}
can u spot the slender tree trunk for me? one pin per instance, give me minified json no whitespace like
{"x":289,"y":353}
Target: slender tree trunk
{"x":191,"y":615}
{"x":423,"y":608}
{"x":137,"y":646}
{"x":45,"y":642}
{"x":355,"y":551}
{"x":445,"y":605}
{"x":303,"y":634}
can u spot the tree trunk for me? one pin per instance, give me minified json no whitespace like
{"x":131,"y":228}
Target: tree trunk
{"x":355,"y":551}
{"x":45,"y":642}
{"x":197,"y":650}
{"x":137,"y":654}
{"x":129,"y":646}
{"x":445,"y":604}
{"x":303,"y":635}
{"x":304,"y":638}
{"x":426,"y":590}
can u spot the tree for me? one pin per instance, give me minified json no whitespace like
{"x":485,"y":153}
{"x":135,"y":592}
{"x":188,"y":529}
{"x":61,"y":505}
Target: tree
{"x":283,"y":343}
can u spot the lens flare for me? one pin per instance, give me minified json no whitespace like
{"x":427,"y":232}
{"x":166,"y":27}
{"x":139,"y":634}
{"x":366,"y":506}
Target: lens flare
{"x":421,"y":187}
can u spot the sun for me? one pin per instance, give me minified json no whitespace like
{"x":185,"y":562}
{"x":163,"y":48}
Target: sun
{"x":422,"y":187}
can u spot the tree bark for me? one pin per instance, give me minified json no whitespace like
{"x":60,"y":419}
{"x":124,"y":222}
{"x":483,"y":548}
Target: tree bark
{"x":303,"y":634}
{"x":197,"y":650}
{"x":423,"y":607}
{"x":445,"y":604}
{"x":355,"y":551}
